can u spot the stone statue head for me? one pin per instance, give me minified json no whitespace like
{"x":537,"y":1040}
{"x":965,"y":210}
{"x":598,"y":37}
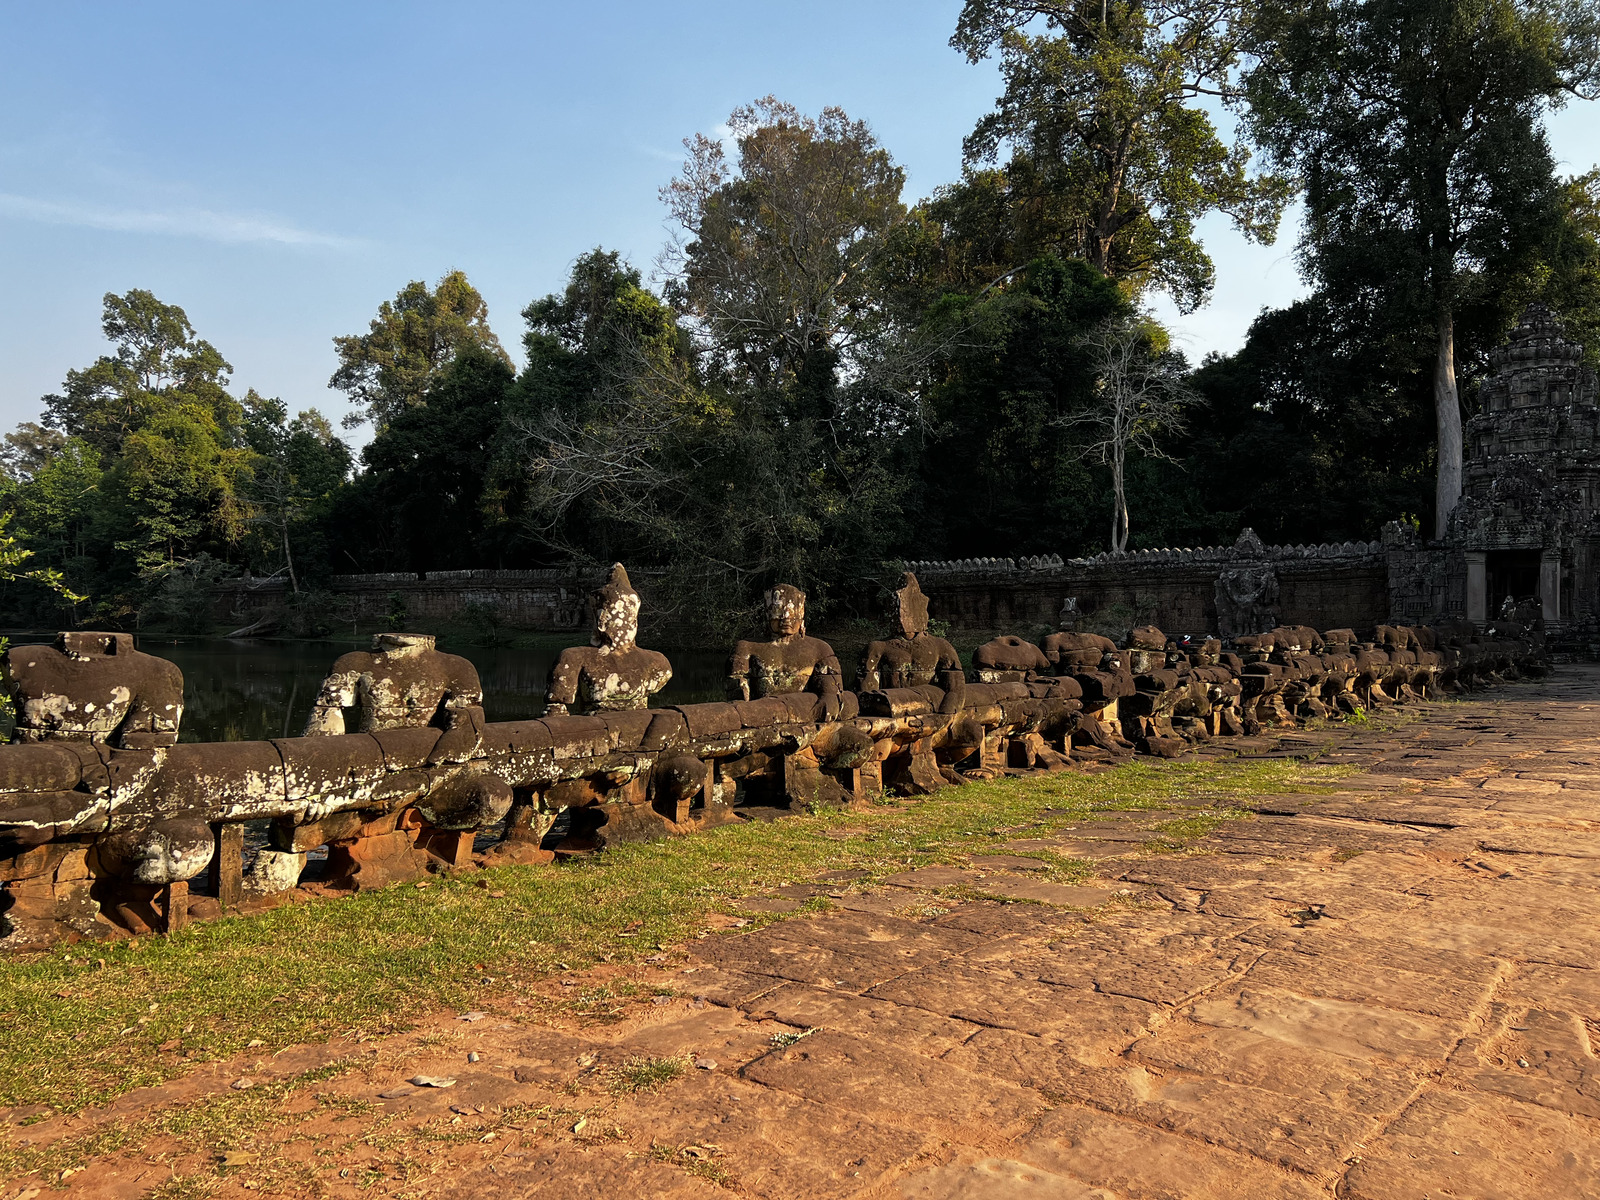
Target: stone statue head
{"x":913,"y":607}
{"x":1067,"y":621}
{"x":402,"y":645}
{"x":786,"y":611}
{"x":616,"y":611}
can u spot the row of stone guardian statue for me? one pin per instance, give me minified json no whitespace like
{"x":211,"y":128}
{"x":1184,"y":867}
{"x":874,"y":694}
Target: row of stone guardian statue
{"x":106,"y":818}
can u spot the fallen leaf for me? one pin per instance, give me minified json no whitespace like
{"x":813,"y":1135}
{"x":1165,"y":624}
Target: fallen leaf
{"x":170,"y":1045}
{"x":432,"y":1081}
{"x":497,"y":895}
{"x":242,"y":1084}
{"x":396,"y":1093}
{"x":238,"y":1158}
{"x":253,"y":1043}
{"x":474,"y":1015}
{"x":706,"y":1064}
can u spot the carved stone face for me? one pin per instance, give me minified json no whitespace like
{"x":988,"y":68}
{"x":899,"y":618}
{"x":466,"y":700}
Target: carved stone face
{"x":786,"y":611}
{"x":913,"y":610}
{"x":616,"y":612}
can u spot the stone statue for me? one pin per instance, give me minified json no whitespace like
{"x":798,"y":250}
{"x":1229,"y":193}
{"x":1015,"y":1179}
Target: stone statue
{"x":610,"y":673}
{"x":916,"y":657}
{"x":94,"y":687}
{"x":791,"y":661}
{"x":401,"y":683}
{"x":1009,"y":659}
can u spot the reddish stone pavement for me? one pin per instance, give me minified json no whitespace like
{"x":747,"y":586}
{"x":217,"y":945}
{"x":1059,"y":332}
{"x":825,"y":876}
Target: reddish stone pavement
{"x":1383,"y":994}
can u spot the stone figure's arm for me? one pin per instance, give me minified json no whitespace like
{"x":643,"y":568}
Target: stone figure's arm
{"x":739,"y":672}
{"x":952,"y":678}
{"x":154,"y":711}
{"x":338,"y":692}
{"x":867,"y":676}
{"x":562,"y":690}
{"x":1051,"y":650}
{"x":827,"y":681}
{"x":465,"y":689}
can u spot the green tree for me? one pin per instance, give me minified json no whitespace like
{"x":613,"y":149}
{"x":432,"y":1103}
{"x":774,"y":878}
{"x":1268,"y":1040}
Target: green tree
{"x":1415,"y":130}
{"x":996,"y":466}
{"x":777,"y":253}
{"x":430,"y":465}
{"x":157,"y":361}
{"x":298,"y":465}
{"x":389,"y":368}
{"x":1110,"y":155}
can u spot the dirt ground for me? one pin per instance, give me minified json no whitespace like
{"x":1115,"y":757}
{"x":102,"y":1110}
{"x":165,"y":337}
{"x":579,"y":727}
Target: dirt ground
{"x":1388,"y":993}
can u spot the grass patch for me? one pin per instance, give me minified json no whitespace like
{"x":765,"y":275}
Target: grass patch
{"x":88,"y":1024}
{"x":641,"y":1074}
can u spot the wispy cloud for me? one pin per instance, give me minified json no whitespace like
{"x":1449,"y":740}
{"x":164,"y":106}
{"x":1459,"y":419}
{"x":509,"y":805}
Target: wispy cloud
{"x":187,"y":222}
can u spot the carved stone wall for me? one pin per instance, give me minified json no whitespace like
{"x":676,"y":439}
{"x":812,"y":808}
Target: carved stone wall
{"x":552,"y":601}
{"x":1327,"y":586}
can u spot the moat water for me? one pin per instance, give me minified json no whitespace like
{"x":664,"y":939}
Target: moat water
{"x":252,"y":690}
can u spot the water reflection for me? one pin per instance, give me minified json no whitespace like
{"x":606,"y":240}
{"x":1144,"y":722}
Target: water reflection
{"x":253,"y":690}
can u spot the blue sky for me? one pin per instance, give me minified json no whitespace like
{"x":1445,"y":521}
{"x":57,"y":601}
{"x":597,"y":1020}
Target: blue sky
{"x":279,"y":169}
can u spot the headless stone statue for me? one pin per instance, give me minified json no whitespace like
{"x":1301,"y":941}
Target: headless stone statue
{"x":790,"y":662}
{"x":401,"y":683}
{"x":94,"y":687}
{"x":916,"y":657}
{"x":1009,"y":659}
{"x":611,"y":673}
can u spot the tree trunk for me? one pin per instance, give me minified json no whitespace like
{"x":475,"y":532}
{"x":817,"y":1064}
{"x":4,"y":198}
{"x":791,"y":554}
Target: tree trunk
{"x":294,"y":584}
{"x":1119,"y":509}
{"x":1447,"y":411}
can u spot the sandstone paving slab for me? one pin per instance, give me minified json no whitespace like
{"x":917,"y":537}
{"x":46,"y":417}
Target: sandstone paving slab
{"x":772,"y":1143}
{"x":1006,"y":1001}
{"x":1536,"y":1055}
{"x":994,"y":1178}
{"x":1543,"y":985}
{"x":572,"y":1169}
{"x":1328,"y":945}
{"x":1100,"y":1030}
{"x":1451,"y":1144}
{"x":993,"y":919}
{"x":1043,"y":892}
{"x":725,"y":1036}
{"x":764,"y":954}
{"x":1390,"y":987}
{"x":1139,"y":1161}
{"x":729,"y":988}
{"x":1006,"y":862}
{"x":934,"y":877}
{"x":904,"y":1025}
{"x":1371,"y":1086}
{"x":855,"y":929}
{"x":1289,"y":1131}
{"x":893,"y":1084}
{"x":1336,"y":1026}
{"x":886,"y":901}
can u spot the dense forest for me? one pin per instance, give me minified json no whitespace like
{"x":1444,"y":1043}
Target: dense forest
{"x":823,"y":377}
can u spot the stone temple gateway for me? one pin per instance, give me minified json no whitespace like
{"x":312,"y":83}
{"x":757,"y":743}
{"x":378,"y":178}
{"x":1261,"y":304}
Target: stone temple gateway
{"x":1526,"y":535}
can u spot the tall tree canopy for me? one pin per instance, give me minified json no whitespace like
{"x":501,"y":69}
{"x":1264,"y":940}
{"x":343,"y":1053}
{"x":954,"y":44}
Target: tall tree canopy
{"x":1111,"y":156}
{"x":1415,"y":129}
{"x":389,"y":368}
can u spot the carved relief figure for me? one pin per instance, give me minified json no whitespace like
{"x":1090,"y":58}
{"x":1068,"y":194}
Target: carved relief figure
{"x":402,"y":682}
{"x":94,"y":687}
{"x":915,"y":657}
{"x":610,"y":673}
{"x":791,"y":661}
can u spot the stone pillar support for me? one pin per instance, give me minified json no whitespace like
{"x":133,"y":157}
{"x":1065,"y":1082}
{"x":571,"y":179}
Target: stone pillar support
{"x":1477,"y":586}
{"x":1550,"y":584}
